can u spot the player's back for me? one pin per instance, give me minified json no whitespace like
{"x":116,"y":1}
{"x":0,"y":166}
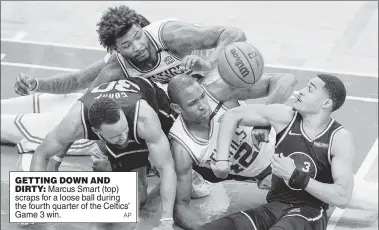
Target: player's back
{"x":128,"y":94}
{"x":310,"y":156}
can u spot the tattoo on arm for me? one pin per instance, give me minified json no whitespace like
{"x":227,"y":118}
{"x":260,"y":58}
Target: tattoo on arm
{"x":71,"y":82}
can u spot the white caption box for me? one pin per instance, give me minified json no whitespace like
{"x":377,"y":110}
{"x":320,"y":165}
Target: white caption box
{"x":73,"y":197}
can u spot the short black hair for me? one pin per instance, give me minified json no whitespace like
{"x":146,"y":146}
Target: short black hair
{"x":104,"y":111}
{"x":117,"y":21}
{"x":335,"y":89}
{"x":178,"y":84}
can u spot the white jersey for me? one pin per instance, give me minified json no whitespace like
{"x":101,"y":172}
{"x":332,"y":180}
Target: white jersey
{"x":168,"y":64}
{"x":246,"y":160}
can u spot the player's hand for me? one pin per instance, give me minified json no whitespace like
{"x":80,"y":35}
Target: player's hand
{"x":258,"y":136}
{"x":100,"y":162}
{"x":25,"y":84}
{"x":196,"y":63}
{"x":165,"y":225}
{"x":282,"y":166}
{"x":221,"y":169}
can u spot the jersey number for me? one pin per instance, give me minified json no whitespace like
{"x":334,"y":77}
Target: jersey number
{"x":120,"y":85}
{"x":306,"y":166}
{"x":246,"y":151}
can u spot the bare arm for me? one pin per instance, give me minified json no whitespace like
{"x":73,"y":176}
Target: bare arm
{"x":183,"y":38}
{"x":149,"y":128}
{"x":276,"y":115}
{"x":276,"y":87}
{"x":59,"y":140}
{"x":63,"y":83}
{"x":339,"y":193}
{"x":184,"y":216}
{"x":111,"y":72}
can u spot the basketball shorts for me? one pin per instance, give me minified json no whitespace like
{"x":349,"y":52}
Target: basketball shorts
{"x":272,"y":216}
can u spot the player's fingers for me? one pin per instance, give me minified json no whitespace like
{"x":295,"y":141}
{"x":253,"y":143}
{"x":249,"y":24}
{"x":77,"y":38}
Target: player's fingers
{"x":189,"y":63}
{"x":23,"y":79}
{"x":21,"y":85}
{"x":255,"y":142}
{"x":21,"y":92}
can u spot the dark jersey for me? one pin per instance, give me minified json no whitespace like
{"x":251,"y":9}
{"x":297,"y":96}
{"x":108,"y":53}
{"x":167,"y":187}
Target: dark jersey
{"x":128,"y":94}
{"x":310,"y":156}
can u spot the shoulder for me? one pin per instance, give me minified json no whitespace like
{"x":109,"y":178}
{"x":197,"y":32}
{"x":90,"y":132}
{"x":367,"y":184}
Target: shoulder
{"x":342,"y":141}
{"x":148,"y":124}
{"x":181,"y":155}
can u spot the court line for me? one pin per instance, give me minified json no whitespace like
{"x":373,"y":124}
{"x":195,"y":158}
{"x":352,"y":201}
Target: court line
{"x":332,"y":71}
{"x":33,"y":66}
{"x":19,"y":36}
{"x":38,"y":66}
{"x":361,"y":173}
{"x":353,"y":98}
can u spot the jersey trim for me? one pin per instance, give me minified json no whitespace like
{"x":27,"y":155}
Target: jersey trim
{"x":193,"y":137}
{"x":192,"y":155}
{"x":306,"y":218}
{"x":124,"y":153}
{"x":160,"y":38}
{"x":287,"y":129}
{"x":135,"y":121}
{"x":319,"y":135}
{"x":251,"y":220}
{"x":156,"y":46}
{"x":84,"y":124}
{"x":121,"y":61}
{"x":330,"y":143}
{"x":212,"y":98}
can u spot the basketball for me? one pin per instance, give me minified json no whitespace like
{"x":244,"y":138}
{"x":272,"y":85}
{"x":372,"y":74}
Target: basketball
{"x":240,"y":65}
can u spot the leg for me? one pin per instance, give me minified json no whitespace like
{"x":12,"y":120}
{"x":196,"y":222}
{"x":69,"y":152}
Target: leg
{"x":260,"y":218}
{"x":306,"y":218}
{"x":39,"y":102}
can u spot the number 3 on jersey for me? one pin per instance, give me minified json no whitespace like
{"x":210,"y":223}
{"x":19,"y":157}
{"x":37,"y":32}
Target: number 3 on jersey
{"x":119,"y":86}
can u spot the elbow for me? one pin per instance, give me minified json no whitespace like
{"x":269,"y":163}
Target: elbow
{"x":241,"y":36}
{"x":290,"y":79}
{"x":344,"y":198}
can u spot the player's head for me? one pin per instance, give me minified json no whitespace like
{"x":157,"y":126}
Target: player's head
{"x":109,"y":122}
{"x":322,"y":93}
{"x":188,"y":98}
{"x":120,"y":29}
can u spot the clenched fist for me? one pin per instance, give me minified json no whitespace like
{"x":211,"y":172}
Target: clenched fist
{"x":25,"y":84}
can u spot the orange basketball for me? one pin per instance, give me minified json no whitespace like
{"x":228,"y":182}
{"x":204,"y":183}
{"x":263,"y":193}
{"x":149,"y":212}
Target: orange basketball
{"x":240,"y":65}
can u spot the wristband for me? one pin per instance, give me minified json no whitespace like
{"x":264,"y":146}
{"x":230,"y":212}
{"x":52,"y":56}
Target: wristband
{"x":167,"y":219}
{"x":35,"y":88}
{"x":57,"y":158}
{"x":299,"y":179}
{"x":268,"y":127}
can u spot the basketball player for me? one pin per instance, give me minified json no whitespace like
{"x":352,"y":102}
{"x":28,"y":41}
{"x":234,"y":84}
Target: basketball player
{"x":312,"y":167}
{"x":193,"y":137}
{"x":123,"y":114}
{"x":160,"y":51}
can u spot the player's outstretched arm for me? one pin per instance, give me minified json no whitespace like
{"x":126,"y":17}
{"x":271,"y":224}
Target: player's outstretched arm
{"x":182,"y":38}
{"x":276,"y":87}
{"x":184,"y":216}
{"x":63,"y":83}
{"x":149,"y":129}
{"x":59,"y":139}
{"x":342,"y":157}
{"x":276,"y":115}
{"x":111,"y":72}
